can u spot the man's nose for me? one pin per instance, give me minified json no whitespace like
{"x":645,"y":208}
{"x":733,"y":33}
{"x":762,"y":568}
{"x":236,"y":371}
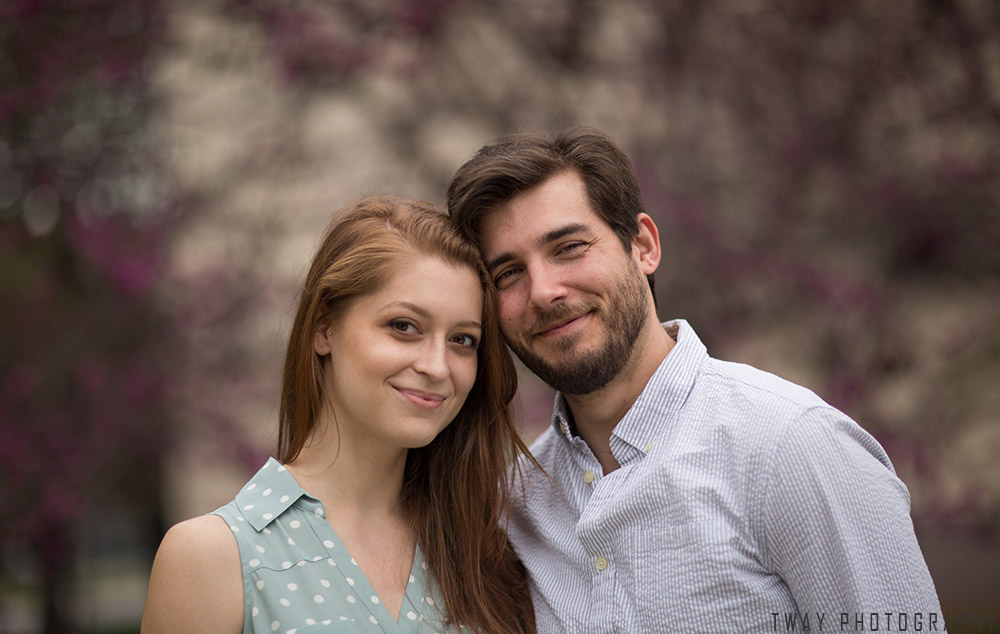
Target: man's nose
{"x":545,"y":287}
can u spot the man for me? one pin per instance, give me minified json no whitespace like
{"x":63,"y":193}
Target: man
{"x":680,"y":493}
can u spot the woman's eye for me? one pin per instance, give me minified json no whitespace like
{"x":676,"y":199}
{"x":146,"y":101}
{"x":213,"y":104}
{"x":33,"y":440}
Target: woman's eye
{"x":467,"y":341}
{"x":403,"y":326}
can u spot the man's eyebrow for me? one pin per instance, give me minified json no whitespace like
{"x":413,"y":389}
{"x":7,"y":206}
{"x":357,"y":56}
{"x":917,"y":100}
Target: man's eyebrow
{"x":503,"y":258}
{"x":555,"y":234}
{"x":546,"y":238}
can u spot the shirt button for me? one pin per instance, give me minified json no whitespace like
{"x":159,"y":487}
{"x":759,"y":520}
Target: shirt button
{"x":588,"y":477}
{"x":648,"y":448}
{"x":601,"y":563}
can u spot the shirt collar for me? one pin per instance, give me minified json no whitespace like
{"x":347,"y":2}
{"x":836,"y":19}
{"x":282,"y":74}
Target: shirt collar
{"x":657,"y":405}
{"x":560,"y":418}
{"x":268,"y":494}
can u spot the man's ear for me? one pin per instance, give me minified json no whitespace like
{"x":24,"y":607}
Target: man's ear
{"x":321,"y":340}
{"x":646,"y":245}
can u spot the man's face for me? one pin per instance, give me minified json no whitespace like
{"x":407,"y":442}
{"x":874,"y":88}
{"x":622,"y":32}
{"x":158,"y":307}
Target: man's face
{"x":572,"y":300}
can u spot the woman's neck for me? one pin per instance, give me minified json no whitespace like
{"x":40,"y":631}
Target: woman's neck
{"x":362,"y":481}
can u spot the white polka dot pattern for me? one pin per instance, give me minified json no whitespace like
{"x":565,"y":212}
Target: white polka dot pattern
{"x":292,"y":562}
{"x":740,"y":495}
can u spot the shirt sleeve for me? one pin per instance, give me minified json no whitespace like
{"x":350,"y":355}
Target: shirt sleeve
{"x":837,"y":525}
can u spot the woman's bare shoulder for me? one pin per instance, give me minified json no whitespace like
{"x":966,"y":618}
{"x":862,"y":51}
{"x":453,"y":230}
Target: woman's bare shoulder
{"x":205,"y":535}
{"x":197,"y":580}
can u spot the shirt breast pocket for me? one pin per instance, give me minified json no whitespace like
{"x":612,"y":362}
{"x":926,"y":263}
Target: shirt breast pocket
{"x":676,"y":571}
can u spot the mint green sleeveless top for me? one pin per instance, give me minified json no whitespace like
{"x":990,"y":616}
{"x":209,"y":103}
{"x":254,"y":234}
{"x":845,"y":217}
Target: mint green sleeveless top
{"x":298,"y":578}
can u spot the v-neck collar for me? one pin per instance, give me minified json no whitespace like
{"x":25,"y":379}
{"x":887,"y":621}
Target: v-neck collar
{"x":419,"y":597}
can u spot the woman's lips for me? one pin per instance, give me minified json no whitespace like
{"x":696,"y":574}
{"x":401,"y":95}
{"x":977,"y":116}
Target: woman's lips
{"x":426,"y":400}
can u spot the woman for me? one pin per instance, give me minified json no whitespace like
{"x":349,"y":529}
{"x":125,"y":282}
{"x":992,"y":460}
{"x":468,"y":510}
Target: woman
{"x":382,"y":512}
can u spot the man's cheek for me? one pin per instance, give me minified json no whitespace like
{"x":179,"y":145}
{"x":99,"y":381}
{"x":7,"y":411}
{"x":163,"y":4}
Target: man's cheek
{"x":509,"y":312}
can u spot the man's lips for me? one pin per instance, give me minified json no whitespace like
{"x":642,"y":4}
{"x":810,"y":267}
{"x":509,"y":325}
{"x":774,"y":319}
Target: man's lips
{"x":560,"y":326}
{"x":420,"y":398}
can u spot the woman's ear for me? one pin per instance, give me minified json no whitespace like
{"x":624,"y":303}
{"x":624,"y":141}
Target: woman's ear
{"x":321,"y":340}
{"x":647,"y":244}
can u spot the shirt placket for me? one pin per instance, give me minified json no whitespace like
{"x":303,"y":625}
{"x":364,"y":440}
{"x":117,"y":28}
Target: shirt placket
{"x":600,"y":554}
{"x":601,"y":540}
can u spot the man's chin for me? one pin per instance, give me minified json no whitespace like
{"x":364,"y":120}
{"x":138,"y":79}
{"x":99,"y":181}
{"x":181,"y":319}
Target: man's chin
{"x":567,"y":373}
{"x":560,"y":356}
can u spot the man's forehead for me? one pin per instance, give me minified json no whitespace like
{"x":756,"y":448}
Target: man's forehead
{"x":494,"y":224}
{"x":495,"y":227}
{"x":530,"y":215}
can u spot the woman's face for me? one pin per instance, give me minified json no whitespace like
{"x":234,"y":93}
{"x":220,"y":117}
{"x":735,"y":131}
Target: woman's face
{"x":403,"y":359}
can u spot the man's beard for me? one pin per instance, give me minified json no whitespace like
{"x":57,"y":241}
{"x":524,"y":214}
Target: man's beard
{"x":588,"y":372}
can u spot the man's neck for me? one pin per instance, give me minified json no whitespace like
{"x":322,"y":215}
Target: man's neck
{"x":595,"y":415}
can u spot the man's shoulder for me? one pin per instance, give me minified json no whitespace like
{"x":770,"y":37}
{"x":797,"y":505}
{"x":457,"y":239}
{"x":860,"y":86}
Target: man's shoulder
{"x":756,"y":383}
{"x":753,"y":409}
{"x":785,"y":416}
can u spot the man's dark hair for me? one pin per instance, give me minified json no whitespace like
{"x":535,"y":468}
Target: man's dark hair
{"x":515,"y":163}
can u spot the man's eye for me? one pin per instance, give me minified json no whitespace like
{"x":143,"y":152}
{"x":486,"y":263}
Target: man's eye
{"x":571,"y":247}
{"x":504,"y":277}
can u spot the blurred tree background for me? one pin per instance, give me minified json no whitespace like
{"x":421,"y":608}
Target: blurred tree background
{"x":824,"y":175}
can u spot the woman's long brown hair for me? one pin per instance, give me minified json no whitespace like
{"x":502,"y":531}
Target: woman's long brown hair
{"x":455,"y":489}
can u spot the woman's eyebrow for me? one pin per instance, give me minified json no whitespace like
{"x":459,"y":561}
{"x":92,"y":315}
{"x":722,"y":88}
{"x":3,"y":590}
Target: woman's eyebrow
{"x":426,"y":315}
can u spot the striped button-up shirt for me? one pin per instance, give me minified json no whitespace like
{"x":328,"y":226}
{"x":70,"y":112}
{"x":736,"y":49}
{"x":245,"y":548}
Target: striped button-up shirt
{"x":744,"y":503}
